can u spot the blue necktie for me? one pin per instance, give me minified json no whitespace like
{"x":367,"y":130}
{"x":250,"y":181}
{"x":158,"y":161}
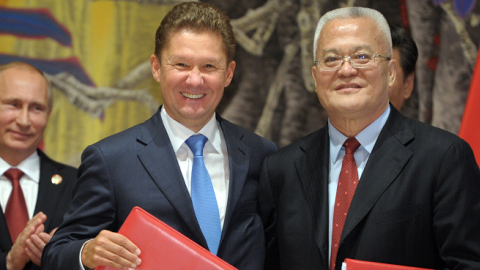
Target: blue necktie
{"x":203,"y":196}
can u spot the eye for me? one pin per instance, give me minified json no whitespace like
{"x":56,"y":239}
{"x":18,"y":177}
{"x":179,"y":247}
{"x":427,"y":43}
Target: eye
{"x":332,"y":59}
{"x":210,"y":66}
{"x":14,"y":104}
{"x":362,"y":56}
{"x":182,"y":65}
{"x":38,"y":108}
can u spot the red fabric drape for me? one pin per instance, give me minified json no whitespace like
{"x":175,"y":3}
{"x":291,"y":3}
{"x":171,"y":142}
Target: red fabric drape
{"x":470,"y":127}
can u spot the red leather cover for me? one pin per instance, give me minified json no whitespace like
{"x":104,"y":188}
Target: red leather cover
{"x":366,"y":265}
{"x":163,"y":247}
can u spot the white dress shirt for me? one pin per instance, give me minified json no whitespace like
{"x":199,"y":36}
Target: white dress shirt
{"x":29,"y":182}
{"x":215,"y":156}
{"x":367,"y":138}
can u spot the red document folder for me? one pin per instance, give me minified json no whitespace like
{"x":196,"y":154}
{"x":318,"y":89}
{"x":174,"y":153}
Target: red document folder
{"x":366,"y":265}
{"x":163,"y":247}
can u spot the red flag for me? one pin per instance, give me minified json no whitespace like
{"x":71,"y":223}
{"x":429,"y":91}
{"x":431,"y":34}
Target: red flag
{"x":470,"y":127}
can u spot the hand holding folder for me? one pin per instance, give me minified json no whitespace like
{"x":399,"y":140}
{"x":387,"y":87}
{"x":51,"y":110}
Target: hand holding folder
{"x":165,"y":248}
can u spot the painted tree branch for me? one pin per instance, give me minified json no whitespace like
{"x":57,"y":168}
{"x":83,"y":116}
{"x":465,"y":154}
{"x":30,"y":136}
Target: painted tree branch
{"x":469,"y":48}
{"x":94,"y":100}
{"x":275,"y":89}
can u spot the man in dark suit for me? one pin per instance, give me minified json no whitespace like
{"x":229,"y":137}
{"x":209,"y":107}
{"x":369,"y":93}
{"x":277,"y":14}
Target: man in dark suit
{"x":405,"y":54}
{"x":150,"y":165}
{"x":44,"y":186}
{"x":398,"y":191}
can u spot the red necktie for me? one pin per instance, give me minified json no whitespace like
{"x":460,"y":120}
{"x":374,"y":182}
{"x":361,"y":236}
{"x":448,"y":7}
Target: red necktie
{"x":16,"y":212}
{"x":347,"y":183}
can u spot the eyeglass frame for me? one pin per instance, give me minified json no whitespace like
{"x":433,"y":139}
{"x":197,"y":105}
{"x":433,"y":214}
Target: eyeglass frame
{"x":350,"y":60}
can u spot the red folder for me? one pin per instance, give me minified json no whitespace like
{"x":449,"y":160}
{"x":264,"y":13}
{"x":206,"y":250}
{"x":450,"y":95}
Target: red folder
{"x":366,"y":265}
{"x":163,"y":247}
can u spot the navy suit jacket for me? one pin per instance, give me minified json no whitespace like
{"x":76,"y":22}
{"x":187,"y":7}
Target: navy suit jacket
{"x":417,"y":202}
{"x":52,"y":200}
{"x":138,"y":167}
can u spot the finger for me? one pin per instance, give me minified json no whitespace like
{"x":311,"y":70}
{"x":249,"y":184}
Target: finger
{"x":121,"y":248}
{"x":53,"y":231}
{"x":107,"y":258}
{"x":34,"y":258}
{"x":34,"y":247}
{"x":40,"y":229}
{"x":36,"y":242}
{"x":24,"y":235}
{"x":125,"y":243}
{"x":45,"y":237}
{"x":39,"y":218}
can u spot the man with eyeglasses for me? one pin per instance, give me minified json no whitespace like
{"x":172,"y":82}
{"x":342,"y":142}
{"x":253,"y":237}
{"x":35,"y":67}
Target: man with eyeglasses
{"x":372,"y":184}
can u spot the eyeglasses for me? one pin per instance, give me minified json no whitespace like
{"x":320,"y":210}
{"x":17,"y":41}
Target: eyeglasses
{"x":357,"y":60}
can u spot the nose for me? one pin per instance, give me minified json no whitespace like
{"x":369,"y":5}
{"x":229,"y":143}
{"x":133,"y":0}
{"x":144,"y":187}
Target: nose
{"x":23,"y":117}
{"x":195,"y":78}
{"x":347,"y":69}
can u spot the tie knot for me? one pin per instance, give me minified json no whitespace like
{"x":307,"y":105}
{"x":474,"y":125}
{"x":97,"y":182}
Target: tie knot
{"x":351,"y":145}
{"x":13,"y":174}
{"x":196,"y":143}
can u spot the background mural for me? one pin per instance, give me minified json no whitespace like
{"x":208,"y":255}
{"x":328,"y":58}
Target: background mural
{"x":96,"y":53}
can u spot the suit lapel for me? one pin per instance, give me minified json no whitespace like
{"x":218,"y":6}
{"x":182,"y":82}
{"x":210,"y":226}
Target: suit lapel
{"x":386,"y":161}
{"x":48,"y":193}
{"x":238,"y":160}
{"x":313,"y":169}
{"x":157,"y":156}
{"x":5,"y":240}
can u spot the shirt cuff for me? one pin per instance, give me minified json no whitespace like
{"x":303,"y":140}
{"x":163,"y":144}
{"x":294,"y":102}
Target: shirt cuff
{"x":82,"y":267}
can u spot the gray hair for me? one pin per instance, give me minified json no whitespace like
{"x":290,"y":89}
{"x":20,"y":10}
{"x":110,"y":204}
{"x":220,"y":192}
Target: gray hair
{"x":352,"y":13}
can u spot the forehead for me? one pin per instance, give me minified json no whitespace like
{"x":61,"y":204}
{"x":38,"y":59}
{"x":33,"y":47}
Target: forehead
{"x":185,"y":40}
{"x":23,"y":83}
{"x":351,"y":35}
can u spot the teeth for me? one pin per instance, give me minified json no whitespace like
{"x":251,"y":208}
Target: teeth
{"x":349,"y":86}
{"x":192,"y":96}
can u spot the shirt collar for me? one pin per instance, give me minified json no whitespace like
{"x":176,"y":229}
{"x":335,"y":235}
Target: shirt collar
{"x":30,"y":167}
{"x":178,"y":133}
{"x":367,"y":137}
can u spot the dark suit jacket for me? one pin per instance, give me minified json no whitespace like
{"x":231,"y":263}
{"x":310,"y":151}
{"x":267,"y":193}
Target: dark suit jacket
{"x":138,"y":167}
{"x":52,"y":200}
{"x":417,"y":202}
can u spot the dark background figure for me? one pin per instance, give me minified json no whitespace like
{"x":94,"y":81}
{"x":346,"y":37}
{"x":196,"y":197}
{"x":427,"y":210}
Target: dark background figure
{"x":405,"y":53}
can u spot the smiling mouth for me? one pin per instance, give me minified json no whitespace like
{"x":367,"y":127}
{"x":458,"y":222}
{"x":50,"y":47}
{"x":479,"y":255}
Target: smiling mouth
{"x":18,"y":134}
{"x":347,"y":86}
{"x":192,"y":96}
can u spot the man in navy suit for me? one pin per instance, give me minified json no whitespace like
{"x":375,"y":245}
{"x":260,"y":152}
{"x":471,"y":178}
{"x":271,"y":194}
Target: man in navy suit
{"x":150,"y":164}
{"x":46,"y":186}
{"x":413,"y":190}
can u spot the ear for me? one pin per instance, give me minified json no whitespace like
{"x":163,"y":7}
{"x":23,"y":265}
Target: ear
{"x":392,"y":74}
{"x":155,"y":67}
{"x":408,"y":86}
{"x":314,"y":75}
{"x":229,"y":73}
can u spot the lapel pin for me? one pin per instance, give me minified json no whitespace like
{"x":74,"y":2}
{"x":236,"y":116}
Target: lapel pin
{"x":56,"y":179}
